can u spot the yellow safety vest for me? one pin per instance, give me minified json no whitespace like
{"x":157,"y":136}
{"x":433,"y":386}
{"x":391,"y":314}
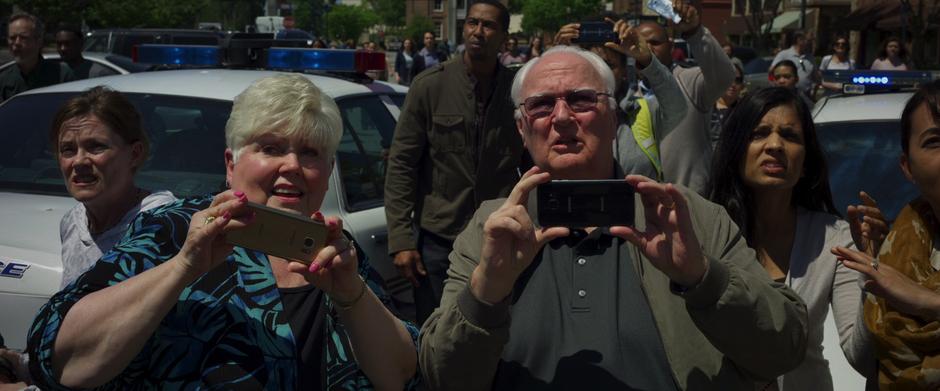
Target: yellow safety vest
{"x":642,"y":129}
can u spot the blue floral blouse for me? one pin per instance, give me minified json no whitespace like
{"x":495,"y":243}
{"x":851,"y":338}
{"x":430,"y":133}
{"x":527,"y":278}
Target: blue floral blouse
{"x":228,"y":329}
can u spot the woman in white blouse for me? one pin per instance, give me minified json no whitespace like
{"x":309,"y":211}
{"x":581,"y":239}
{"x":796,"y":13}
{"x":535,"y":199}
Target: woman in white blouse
{"x":769,"y":172}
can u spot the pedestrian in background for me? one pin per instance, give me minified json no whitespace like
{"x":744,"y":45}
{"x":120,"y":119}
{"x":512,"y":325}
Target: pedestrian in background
{"x":728,"y":48}
{"x":535,"y":47}
{"x":455,"y":146}
{"x":770,"y":174}
{"x":893,"y":56}
{"x":407,"y":62}
{"x":25,"y":38}
{"x":70,"y":42}
{"x":512,"y":54}
{"x":838,"y":60}
{"x":785,"y":74}
{"x":726,"y":103}
{"x":800,"y":53}
{"x":430,"y":53}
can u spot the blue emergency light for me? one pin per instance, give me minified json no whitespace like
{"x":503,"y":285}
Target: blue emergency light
{"x":312,"y":59}
{"x":881,"y":79}
{"x":193,"y":55}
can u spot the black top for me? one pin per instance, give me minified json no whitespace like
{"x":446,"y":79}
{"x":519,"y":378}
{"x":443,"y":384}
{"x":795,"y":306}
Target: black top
{"x":306,"y":314}
{"x":47,"y":73}
{"x":580,"y":320}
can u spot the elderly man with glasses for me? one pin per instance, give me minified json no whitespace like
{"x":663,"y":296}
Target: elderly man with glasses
{"x":674,"y":301}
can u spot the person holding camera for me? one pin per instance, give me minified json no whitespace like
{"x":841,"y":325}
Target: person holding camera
{"x":175,"y":305}
{"x":642,"y":123}
{"x":674,"y":301}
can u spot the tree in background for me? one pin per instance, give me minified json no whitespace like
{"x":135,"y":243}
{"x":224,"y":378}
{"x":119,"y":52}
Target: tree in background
{"x":550,"y":15}
{"x":921,"y":16}
{"x":144,"y":13}
{"x":348,"y":22}
{"x":390,"y":12}
{"x":52,"y":12}
{"x":308,"y":15}
{"x":416,"y":29}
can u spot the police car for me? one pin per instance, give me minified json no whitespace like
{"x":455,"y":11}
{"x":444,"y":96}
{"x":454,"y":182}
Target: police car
{"x":859,"y":130}
{"x":185,"y":112}
{"x":109,"y":64}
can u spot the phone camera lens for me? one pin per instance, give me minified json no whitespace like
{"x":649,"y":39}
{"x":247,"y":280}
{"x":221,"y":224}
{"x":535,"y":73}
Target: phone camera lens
{"x":553,"y":203}
{"x":308,"y":242}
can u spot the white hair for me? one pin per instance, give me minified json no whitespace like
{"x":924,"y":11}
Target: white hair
{"x":606,"y":75}
{"x":287,"y":104}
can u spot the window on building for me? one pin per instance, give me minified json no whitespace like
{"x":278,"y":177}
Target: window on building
{"x":438,"y":5}
{"x":439,"y":28}
{"x":461,"y":4}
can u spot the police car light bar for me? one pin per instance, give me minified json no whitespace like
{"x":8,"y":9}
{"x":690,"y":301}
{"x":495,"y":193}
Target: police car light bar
{"x":192,"y":55}
{"x":334,"y":60}
{"x":895,"y":79}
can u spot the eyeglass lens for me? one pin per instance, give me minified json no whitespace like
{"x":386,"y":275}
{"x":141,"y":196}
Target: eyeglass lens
{"x":543,"y":105}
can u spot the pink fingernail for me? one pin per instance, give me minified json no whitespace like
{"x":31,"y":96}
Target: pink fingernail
{"x":227,"y":216}
{"x":314,"y":267}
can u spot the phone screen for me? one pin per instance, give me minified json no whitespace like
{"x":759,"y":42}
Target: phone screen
{"x":596,"y":32}
{"x":584,"y":203}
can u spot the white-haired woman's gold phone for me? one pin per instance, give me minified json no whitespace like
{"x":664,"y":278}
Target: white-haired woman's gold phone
{"x":282,"y":234}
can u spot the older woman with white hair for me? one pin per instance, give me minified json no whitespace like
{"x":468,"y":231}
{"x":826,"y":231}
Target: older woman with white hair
{"x":173,"y":305}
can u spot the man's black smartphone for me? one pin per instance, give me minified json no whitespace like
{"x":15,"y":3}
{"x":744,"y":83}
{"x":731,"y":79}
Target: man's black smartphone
{"x":596,"y":32}
{"x":582,"y":203}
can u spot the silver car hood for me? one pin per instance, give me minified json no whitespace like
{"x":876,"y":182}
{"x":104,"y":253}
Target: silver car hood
{"x":29,"y":236}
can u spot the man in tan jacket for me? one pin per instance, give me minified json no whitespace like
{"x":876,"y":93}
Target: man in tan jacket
{"x":676,"y":301}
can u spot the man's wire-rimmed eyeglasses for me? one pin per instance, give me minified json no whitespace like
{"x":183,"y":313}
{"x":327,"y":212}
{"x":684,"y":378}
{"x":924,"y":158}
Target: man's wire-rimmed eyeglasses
{"x":579,"y":101}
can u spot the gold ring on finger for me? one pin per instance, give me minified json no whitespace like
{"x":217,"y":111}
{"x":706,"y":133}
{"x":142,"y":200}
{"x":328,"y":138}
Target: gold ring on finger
{"x":209,"y":220}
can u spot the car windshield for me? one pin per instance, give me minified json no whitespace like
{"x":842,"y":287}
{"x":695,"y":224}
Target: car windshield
{"x":864,"y":156}
{"x":186,"y":137}
{"x":187,"y":144}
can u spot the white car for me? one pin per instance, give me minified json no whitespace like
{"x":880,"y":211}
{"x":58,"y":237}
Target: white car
{"x":860,"y":134}
{"x":185,"y":112}
{"x":110,"y":64}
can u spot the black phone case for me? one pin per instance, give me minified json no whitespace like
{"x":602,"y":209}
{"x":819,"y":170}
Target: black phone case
{"x":596,"y":32}
{"x":583,"y":203}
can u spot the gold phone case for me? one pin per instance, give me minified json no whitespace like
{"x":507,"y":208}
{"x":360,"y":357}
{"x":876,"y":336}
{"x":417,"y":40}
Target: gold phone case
{"x":282,"y":234}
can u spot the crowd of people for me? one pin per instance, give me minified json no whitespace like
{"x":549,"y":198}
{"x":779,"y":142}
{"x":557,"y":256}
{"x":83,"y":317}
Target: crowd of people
{"x":723,"y":281}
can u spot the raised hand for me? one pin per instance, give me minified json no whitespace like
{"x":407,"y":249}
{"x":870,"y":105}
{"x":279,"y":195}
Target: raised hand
{"x":567,"y":33}
{"x":868,"y":225}
{"x":510,"y":242}
{"x":896,"y":288}
{"x":335,"y":269}
{"x":669,"y":241}
{"x":631,"y":43}
{"x":205,"y":246}
{"x":690,"y":17}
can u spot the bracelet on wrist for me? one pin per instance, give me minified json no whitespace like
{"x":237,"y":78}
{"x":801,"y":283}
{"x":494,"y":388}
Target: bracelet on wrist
{"x":350,"y":304}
